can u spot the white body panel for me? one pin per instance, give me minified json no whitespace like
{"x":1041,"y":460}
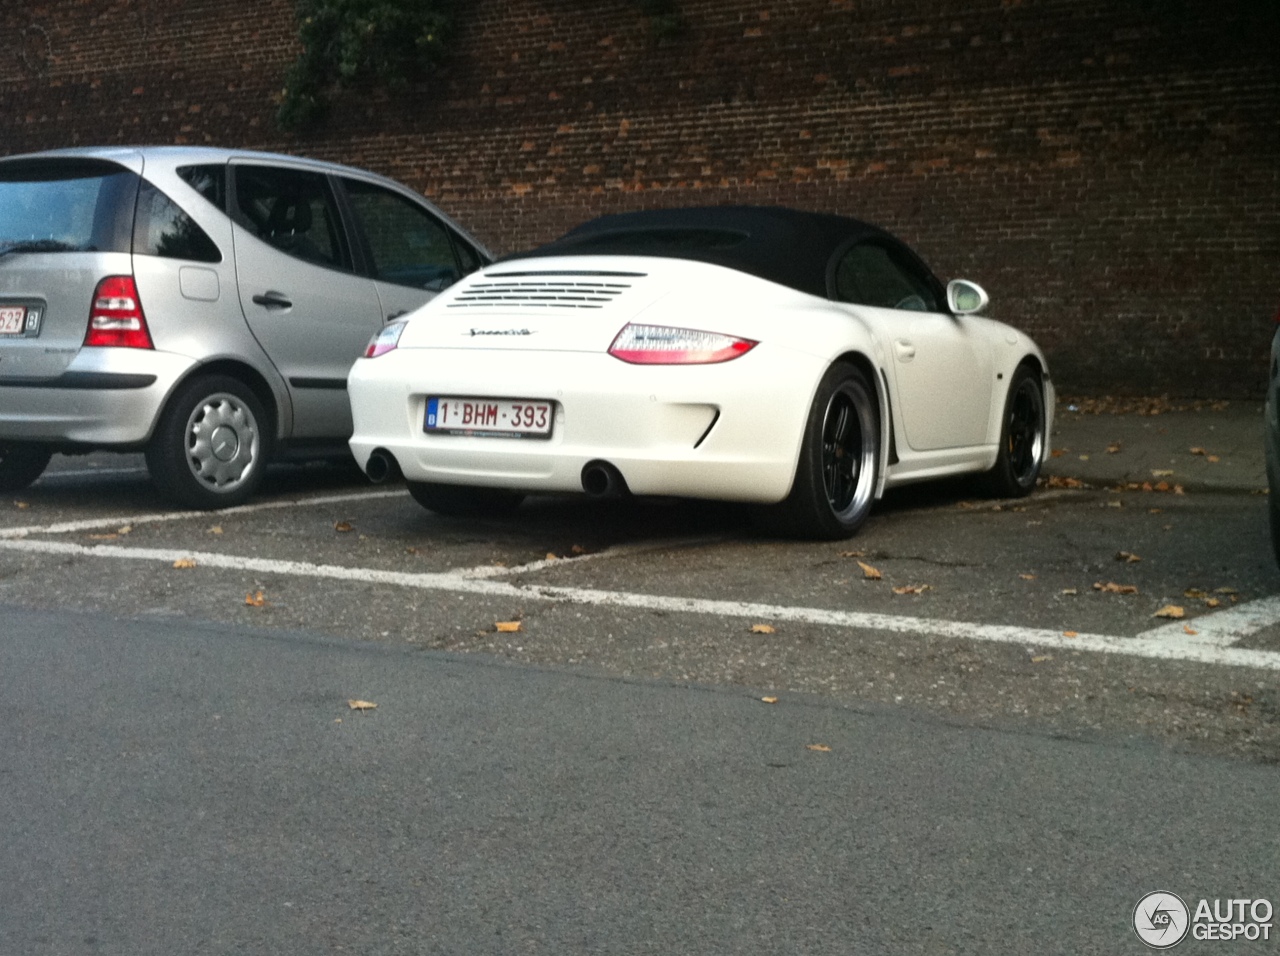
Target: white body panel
{"x":729,"y":431}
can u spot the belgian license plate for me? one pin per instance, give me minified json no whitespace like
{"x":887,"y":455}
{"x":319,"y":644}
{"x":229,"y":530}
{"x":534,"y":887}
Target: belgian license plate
{"x":13,"y":319}
{"x":497,"y":417}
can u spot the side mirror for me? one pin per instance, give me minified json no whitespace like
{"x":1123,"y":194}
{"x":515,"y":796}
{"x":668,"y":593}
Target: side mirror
{"x":965,"y":297}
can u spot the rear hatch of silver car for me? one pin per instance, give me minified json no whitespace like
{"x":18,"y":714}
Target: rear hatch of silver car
{"x":66,"y":223}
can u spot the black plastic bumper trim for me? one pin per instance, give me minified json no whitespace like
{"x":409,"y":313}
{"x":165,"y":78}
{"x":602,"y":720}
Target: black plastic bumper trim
{"x":84,"y":381}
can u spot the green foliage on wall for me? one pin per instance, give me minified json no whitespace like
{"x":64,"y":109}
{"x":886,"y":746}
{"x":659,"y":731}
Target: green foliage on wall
{"x":348,"y":41}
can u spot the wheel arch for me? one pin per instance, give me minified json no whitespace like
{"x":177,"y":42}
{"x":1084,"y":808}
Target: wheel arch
{"x":876,"y":376}
{"x":252,"y":378}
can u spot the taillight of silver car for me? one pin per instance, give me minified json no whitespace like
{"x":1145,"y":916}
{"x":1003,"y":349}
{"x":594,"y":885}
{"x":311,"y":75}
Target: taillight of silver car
{"x":115,"y":318}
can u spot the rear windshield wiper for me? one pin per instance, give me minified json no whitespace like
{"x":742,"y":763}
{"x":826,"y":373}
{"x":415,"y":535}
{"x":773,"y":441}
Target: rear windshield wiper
{"x":38,"y":245}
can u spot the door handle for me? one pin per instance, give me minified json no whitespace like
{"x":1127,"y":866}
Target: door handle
{"x":905,"y":350}
{"x":273,"y":300}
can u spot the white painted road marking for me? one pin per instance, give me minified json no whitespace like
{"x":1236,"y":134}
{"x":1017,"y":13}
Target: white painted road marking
{"x":92,"y":524}
{"x":1164,"y":643}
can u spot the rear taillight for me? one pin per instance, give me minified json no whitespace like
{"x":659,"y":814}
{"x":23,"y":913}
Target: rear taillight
{"x":116,"y":318}
{"x":663,"y":345}
{"x":384,"y":341}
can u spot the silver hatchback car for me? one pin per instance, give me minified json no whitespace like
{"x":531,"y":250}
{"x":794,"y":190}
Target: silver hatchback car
{"x":201,"y":305}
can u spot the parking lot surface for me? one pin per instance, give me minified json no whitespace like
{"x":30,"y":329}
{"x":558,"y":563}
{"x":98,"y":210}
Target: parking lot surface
{"x":1134,"y":594}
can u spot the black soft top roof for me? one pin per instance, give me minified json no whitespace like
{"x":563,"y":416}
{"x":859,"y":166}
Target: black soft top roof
{"x":787,"y":246}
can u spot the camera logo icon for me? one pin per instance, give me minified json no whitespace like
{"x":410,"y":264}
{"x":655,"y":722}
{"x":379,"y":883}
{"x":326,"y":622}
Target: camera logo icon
{"x":1161,"y":920}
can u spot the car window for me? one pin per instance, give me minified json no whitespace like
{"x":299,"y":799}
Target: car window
{"x":66,"y":206}
{"x":210,"y":181}
{"x":871,"y":274}
{"x":292,"y":210}
{"x":160,"y":228}
{"x":408,"y":245}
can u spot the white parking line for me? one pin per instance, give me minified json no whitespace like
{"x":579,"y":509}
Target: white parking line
{"x":92,"y":524}
{"x":1161,"y":643}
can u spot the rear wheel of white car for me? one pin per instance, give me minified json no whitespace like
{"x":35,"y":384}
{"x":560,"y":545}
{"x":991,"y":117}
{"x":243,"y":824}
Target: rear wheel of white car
{"x":210,"y":447}
{"x":21,"y":463}
{"x":1022,"y":436}
{"x":839,"y":460}
{"x":463,"y":500}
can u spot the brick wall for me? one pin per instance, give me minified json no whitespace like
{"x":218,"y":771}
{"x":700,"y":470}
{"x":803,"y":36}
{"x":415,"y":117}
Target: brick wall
{"x":1108,"y":169}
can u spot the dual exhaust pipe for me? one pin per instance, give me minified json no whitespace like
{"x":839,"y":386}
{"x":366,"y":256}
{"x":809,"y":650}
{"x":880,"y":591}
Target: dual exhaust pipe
{"x":600,"y":479}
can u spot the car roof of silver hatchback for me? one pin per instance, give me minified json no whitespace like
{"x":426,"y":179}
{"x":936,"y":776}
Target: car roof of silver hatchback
{"x":187,"y":155}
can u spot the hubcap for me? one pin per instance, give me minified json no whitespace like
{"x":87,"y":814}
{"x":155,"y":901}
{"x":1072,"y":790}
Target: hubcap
{"x":222,"y":442}
{"x":1025,"y":431}
{"x":848,"y":453}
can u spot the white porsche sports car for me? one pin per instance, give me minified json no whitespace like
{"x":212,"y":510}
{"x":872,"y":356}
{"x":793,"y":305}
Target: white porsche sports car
{"x":801,"y":361}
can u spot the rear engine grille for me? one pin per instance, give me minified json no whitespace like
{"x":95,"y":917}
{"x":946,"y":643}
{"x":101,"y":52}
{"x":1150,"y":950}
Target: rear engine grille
{"x":558,"y":290}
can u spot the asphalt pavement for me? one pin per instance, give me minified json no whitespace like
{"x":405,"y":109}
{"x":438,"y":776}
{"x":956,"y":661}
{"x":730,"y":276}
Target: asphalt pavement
{"x":184,"y":788}
{"x":1200,"y":446}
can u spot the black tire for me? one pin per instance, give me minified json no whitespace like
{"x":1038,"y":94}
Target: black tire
{"x":21,"y":463}
{"x":1273,"y":512}
{"x":464,"y":500}
{"x":1022,"y":437}
{"x":839,"y":464}
{"x":210,"y":448}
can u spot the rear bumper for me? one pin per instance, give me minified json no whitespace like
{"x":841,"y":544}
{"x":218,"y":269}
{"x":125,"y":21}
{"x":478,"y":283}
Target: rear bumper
{"x":105,"y":397}
{"x":728,"y":431}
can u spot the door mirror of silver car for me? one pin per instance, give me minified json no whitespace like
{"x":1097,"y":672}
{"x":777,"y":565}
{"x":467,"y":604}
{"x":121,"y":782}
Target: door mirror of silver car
{"x":965,"y":297}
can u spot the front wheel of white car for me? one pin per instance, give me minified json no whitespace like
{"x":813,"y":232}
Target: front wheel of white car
{"x":835,"y":481}
{"x":463,"y":500}
{"x":209,"y":449}
{"x":1022,"y":437}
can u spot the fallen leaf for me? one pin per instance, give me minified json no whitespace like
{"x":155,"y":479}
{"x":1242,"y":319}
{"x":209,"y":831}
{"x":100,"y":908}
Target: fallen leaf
{"x":820,"y":748}
{"x":343,"y":526}
{"x":1188,"y":629}
{"x":1112,"y":588}
{"x":1161,"y":472}
{"x":769,"y":700}
{"x":1195,"y":593}
{"x":185,"y":563}
{"x":104,"y":537}
{"x":1041,"y":658}
{"x":1113,"y":448}
{"x":1058,"y":452}
{"x":552,"y":556}
{"x":362,"y":705}
{"x":1170,"y":610}
{"x":762,"y":629}
{"x":1115,"y":504}
{"x":868,"y":572}
{"x":1197,"y":451}
{"x":1225,"y":591}
{"x":125,"y":530}
{"x":255,"y":600}
{"x":1084,"y":457}
{"x":853,"y":554}
{"x":216,"y":529}
{"x":1070,"y":634}
{"x":1059,"y":481}
{"x":967,"y":505}
{"x":413,"y":551}
{"x":1070,"y":591}
{"x":1212,"y":602}
{"x":913,"y":589}
{"x":577,"y":549}
{"x":1179,"y":490}
{"x":1212,"y":458}
{"x":1155,"y":511}
{"x":1162,"y":486}
{"x":21,"y":505}
{"x":506,"y":627}
{"x":1127,"y":557}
